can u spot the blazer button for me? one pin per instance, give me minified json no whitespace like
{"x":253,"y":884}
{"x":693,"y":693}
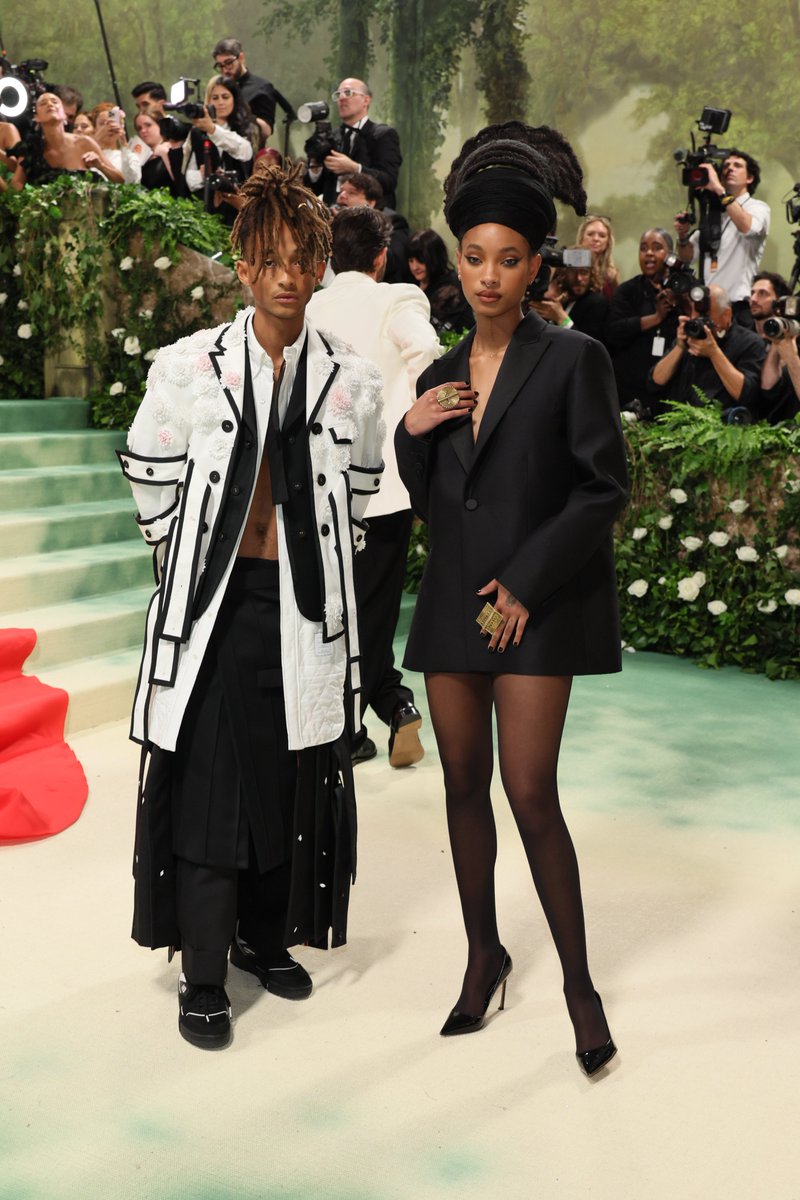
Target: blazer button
{"x":301,"y":533}
{"x":125,"y":464}
{"x":377,"y":483}
{"x":471,"y":504}
{"x":248,"y":444}
{"x":220,"y":537}
{"x":325,"y":530}
{"x":297,"y":487}
{"x":227,"y":426}
{"x":291,"y":440}
{"x":149,"y":471}
{"x":316,"y":427}
{"x":147,"y":533}
{"x":236,"y":489}
{"x":321,"y":480}
{"x":205,"y":527}
{"x":214,"y":477}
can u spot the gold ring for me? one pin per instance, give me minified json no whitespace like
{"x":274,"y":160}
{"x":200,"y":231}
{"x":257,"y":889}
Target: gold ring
{"x":447,"y":397}
{"x":490,"y":619}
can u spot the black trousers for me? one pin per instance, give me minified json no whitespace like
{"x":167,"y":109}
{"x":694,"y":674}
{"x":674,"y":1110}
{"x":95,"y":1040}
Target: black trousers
{"x":379,"y":571}
{"x":233,"y":784}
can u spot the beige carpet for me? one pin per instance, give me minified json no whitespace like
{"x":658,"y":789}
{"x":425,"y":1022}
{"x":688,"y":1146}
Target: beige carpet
{"x":681,"y":791}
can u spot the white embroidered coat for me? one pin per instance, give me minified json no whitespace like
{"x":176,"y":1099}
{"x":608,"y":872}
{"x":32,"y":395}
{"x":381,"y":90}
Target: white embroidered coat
{"x":180,"y":448}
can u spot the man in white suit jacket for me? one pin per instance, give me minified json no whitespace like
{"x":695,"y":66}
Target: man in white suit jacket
{"x":388,"y":323}
{"x":251,"y":459}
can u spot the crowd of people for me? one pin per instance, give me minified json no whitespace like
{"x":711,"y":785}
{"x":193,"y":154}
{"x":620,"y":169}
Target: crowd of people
{"x":642,"y":321}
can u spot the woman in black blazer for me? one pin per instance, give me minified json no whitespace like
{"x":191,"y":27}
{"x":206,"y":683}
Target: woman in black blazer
{"x":520,"y":482}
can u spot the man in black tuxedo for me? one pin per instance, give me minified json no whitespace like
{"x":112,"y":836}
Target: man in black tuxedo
{"x":361,"y":146}
{"x":260,"y":94}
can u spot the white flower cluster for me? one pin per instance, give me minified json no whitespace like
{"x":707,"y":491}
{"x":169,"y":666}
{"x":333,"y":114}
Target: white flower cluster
{"x":689,"y":587}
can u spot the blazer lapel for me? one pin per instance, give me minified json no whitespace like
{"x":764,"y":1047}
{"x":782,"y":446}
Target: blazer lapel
{"x":459,"y":432}
{"x":227,"y":359}
{"x":523,"y":355}
{"x":322,"y":369}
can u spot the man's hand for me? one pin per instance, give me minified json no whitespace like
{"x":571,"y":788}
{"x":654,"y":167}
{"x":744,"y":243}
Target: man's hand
{"x":340,"y":164}
{"x":786,"y":349}
{"x":551,"y":310}
{"x":713,"y":183}
{"x":205,"y":122}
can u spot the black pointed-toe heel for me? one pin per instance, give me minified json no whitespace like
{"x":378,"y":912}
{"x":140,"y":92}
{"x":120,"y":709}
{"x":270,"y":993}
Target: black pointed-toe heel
{"x":591,"y":1061}
{"x":461,"y":1022}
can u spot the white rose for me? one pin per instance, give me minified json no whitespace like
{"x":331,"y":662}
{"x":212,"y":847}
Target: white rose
{"x":718,"y":538}
{"x":692,"y":543}
{"x":717,"y":607}
{"x":781,"y":551}
{"x":639,"y":533}
{"x":699,"y":578}
{"x":150,"y":355}
{"x":163,"y":263}
{"x":665,"y":523}
{"x":17,"y":270}
{"x":23,"y":305}
{"x":767,"y":606}
{"x":197,"y":293}
{"x":792,"y":596}
{"x":146,"y":314}
{"x":678,"y":495}
{"x":3,"y":298}
{"x":2,"y":360}
{"x":639,"y":587}
{"x":662,"y":579}
{"x":131,"y":346}
{"x":25,"y":331}
{"x":738,"y":506}
{"x":630,"y":649}
{"x":688,"y":589}
{"x":746,"y":554}
{"x":630,"y":417}
{"x":118,"y":333}
{"x":116,"y":389}
{"x":126,"y":264}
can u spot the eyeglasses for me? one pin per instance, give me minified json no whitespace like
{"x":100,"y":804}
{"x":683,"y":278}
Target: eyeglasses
{"x":347,"y":93}
{"x":222,"y":63}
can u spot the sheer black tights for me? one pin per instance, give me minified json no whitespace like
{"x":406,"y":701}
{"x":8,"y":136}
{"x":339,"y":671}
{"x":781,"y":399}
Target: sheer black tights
{"x":530,"y":719}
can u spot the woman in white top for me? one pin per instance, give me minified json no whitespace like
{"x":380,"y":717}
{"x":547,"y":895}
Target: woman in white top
{"x":224,"y":138}
{"x":109,"y":131}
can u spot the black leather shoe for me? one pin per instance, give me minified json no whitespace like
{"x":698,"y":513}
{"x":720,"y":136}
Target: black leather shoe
{"x":461,"y":1022}
{"x":280,"y":973}
{"x":204,"y":1014}
{"x":405,"y":748}
{"x":363,"y":752}
{"x":592,"y":1060}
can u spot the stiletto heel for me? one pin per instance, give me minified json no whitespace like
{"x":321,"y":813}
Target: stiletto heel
{"x":460,"y":1022}
{"x":592,"y":1060}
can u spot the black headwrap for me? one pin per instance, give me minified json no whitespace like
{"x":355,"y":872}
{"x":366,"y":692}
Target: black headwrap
{"x":503,"y":196}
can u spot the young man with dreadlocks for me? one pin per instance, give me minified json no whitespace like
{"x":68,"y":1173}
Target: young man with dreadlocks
{"x":251,"y":459}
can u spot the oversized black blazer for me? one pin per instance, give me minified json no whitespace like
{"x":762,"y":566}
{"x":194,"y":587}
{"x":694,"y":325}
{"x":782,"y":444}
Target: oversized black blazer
{"x":532,"y":503}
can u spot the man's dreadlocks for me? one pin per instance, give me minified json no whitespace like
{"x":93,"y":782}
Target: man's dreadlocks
{"x":273,"y":196}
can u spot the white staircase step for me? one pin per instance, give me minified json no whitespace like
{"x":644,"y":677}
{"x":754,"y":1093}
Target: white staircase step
{"x":41,"y":580}
{"x":25,"y":531}
{"x":83,"y":628}
{"x":100,"y":689}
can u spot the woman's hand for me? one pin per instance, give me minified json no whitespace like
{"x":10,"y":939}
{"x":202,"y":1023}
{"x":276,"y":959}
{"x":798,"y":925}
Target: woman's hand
{"x":515,"y":616}
{"x":205,"y":123}
{"x":426,"y":412}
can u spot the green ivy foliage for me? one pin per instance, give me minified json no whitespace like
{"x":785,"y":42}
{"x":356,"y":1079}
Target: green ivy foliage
{"x":69,"y":249}
{"x":707,"y":550}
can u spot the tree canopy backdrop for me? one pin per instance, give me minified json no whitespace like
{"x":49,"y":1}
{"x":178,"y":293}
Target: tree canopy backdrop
{"x":616,"y":79}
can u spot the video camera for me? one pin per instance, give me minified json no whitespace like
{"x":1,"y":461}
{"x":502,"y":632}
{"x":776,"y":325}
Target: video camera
{"x":554,"y":257}
{"x":20,"y":87}
{"x":712,"y":121}
{"x":184,"y":100}
{"x":787,"y":323}
{"x":321,"y":143}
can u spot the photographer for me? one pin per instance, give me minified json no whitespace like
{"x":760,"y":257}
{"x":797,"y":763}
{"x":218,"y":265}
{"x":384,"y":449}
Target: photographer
{"x":109,"y":127}
{"x":571,"y":303}
{"x":744,"y":229}
{"x":220,"y":144}
{"x":359,"y":146}
{"x":642,"y":321}
{"x":780,"y":374}
{"x":719,"y":357}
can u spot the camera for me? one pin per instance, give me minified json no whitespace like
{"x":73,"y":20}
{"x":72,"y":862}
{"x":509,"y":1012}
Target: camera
{"x":786,"y":324}
{"x":553,"y":257}
{"x":321,"y":143}
{"x":738,"y":416}
{"x":173,"y":130}
{"x":712,"y":121}
{"x":226,"y":182}
{"x":183,"y":99}
{"x":680,"y":277}
{"x":20,"y":87}
{"x":695,"y":327}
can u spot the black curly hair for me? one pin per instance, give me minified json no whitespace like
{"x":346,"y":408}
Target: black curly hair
{"x":538,"y":151}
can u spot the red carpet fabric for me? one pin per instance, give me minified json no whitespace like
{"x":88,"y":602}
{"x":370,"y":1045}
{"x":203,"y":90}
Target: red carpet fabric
{"x":42,"y":785}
